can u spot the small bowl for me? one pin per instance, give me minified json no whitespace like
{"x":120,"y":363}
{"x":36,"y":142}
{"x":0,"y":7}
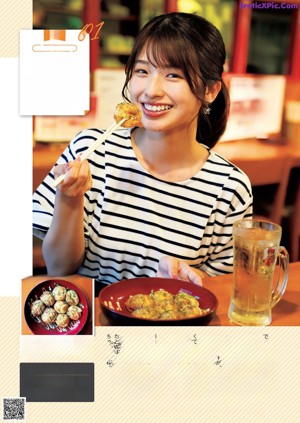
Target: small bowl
{"x":37,"y":327}
{"x":113,"y":298}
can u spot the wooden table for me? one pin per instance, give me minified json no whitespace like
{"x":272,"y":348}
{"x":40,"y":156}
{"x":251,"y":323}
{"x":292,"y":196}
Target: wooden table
{"x":85,"y":285}
{"x":285,"y":313}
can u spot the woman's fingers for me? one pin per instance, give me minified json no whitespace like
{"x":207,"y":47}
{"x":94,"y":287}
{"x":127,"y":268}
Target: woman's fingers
{"x":84,"y":174}
{"x":186,"y":272}
{"x":78,"y":178}
{"x":73,"y":172}
{"x":170,"y":267}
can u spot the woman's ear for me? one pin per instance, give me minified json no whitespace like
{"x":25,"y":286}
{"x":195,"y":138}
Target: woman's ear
{"x":212,"y":91}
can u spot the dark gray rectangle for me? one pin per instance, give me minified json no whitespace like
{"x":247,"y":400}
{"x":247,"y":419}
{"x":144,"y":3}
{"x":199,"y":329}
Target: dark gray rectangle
{"x":57,"y":382}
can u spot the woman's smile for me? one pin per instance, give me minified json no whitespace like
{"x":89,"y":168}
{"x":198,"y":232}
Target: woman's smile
{"x":156,"y":107}
{"x":155,"y":110}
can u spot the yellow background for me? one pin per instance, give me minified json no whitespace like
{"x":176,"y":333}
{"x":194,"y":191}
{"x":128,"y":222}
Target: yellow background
{"x":164,"y":374}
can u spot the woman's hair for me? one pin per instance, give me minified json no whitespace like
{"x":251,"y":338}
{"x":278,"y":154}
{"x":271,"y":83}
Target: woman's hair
{"x":192,"y":44}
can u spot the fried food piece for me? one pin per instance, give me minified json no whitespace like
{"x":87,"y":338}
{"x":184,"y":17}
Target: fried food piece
{"x":74,"y":312}
{"x":61,"y":307}
{"x":184,"y":299}
{"x":189,"y":311}
{"x":165,"y":306}
{"x":62,"y":320}
{"x":146,"y":313}
{"x":161,"y":295}
{"x":72,"y":297}
{"x":49,"y":315}
{"x":59,"y":293}
{"x":47,"y":298}
{"x":129,"y":111}
{"x":139,"y":301}
{"x":37,"y":308}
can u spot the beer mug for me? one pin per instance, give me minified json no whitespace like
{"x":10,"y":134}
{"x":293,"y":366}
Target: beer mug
{"x":256,"y":289}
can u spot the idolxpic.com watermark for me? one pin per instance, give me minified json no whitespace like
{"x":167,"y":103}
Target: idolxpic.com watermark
{"x":268,"y":5}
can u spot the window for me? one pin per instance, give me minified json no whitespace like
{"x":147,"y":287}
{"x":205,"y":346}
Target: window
{"x":269,"y":42}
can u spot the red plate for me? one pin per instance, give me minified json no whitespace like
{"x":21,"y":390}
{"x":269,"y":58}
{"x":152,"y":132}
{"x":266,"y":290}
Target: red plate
{"x":39,"y":328}
{"x":113,"y":298}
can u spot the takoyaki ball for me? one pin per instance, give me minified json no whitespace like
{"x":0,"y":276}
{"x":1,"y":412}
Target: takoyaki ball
{"x":62,"y":320}
{"x":61,"y":307}
{"x":72,"y":297}
{"x":74,"y":312}
{"x":188,"y":311}
{"x":161,"y":295}
{"x":130,"y":112}
{"x":47,"y":298}
{"x":138,"y":301}
{"x":146,"y":313}
{"x":49,"y":315}
{"x":37,"y":308}
{"x":59,"y":293}
{"x":185,"y":299}
{"x":163,"y":306}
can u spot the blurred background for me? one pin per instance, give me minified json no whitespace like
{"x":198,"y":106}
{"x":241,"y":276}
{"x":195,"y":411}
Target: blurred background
{"x":262,"y":72}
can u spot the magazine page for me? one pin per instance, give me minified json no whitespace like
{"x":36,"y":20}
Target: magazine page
{"x":76,"y":347}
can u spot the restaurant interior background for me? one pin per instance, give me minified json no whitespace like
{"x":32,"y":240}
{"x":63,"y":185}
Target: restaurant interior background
{"x":262,"y":72}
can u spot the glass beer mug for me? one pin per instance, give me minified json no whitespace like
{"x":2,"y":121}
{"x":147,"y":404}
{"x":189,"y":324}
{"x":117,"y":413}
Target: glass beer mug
{"x":256,"y":252}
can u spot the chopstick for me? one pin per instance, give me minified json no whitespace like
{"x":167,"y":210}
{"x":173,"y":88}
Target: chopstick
{"x":93,"y":147}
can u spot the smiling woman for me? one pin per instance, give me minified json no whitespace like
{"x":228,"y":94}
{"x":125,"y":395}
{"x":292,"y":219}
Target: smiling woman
{"x":165,"y":97}
{"x":172,"y":43}
{"x":153,"y":200}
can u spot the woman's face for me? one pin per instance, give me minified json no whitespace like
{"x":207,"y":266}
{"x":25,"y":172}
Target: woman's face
{"x":164,"y":96}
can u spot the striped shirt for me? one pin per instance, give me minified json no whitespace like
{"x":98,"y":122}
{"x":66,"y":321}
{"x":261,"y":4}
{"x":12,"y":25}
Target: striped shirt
{"x":132,"y":219}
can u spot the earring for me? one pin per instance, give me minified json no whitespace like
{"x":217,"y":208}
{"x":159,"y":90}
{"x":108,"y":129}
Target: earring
{"x":206,"y":110}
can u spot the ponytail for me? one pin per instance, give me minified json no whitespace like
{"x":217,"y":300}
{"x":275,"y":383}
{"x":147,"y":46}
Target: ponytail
{"x":211,"y":126}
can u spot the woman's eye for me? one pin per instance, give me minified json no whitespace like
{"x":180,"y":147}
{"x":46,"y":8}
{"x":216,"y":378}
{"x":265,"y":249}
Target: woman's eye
{"x":174,"y":75}
{"x":140,"y":71}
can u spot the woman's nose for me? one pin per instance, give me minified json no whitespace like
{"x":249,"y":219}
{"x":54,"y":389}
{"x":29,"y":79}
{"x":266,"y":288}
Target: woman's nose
{"x":154,"y":87}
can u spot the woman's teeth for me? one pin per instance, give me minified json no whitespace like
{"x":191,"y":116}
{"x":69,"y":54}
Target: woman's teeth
{"x":156,"y":108}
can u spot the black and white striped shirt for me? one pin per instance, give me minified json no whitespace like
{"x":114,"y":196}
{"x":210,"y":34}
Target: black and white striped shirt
{"x":132,"y":218}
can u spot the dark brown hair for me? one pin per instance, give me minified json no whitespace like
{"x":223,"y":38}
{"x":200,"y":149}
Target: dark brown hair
{"x":192,"y":44}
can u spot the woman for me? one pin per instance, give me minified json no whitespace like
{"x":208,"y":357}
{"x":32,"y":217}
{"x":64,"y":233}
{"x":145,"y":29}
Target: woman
{"x":152,"y":200}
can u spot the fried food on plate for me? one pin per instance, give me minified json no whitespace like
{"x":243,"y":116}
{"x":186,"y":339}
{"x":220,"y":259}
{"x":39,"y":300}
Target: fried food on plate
{"x":74,"y":312}
{"x":162,"y":305}
{"x":62,"y":320}
{"x":161,"y":295}
{"x":59,"y":293}
{"x":61,"y":307}
{"x":49,"y":315}
{"x":37,"y":308}
{"x":139,"y":301}
{"x":184,"y":299}
{"x":146,"y":313}
{"x":72,"y":297}
{"x":47,"y":298}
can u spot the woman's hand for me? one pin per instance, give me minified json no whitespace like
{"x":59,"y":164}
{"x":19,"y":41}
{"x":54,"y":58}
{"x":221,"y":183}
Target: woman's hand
{"x":64,"y":243}
{"x":170,"y":267}
{"x":78,"y":178}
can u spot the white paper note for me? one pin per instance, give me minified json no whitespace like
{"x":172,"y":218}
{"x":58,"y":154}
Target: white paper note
{"x":54,"y":73}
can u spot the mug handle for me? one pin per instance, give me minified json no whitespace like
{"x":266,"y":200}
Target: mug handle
{"x":282,"y":277}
